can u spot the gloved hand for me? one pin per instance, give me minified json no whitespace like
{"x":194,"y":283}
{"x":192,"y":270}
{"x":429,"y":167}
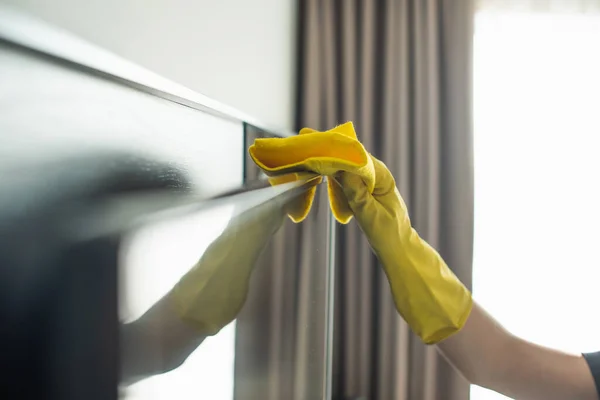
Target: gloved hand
{"x":426,"y":292}
{"x":324,"y":153}
{"x":431,"y":299}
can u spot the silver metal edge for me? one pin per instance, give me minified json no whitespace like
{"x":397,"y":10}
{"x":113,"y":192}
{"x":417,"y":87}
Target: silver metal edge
{"x":330,"y":308}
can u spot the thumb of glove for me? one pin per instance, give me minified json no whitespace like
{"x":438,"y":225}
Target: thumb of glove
{"x":355,"y":190}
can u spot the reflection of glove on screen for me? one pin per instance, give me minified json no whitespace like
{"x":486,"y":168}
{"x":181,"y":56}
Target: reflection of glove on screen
{"x":213,"y":292}
{"x":426,"y":293}
{"x":322,"y":152}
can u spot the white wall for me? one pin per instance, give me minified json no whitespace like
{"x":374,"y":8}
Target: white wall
{"x":239,"y":52}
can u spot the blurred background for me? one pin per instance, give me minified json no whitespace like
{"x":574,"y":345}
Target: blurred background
{"x":486,"y":111}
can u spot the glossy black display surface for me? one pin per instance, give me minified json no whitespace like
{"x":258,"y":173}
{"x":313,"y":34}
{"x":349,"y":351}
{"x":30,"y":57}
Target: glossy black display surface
{"x":110,"y":197}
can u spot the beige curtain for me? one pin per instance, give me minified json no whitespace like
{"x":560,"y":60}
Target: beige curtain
{"x":401,"y":70}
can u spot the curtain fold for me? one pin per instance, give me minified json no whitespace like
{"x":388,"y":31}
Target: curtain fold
{"x":402,"y":71}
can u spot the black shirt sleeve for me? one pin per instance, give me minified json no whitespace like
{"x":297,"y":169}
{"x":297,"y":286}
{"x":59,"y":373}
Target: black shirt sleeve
{"x":593,"y":360}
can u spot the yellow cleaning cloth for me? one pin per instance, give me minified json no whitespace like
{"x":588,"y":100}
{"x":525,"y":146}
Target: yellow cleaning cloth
{"x":325,"y":153}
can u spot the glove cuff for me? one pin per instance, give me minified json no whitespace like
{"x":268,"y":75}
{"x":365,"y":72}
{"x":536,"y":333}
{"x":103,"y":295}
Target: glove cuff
{"x":427,"y":294}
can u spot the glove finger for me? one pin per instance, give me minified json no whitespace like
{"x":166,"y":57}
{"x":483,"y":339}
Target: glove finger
{"x":384,"y":180}
{"x":355,"y":190}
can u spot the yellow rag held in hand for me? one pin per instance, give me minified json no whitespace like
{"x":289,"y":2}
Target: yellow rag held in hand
{"x":325,"y":153}
{"x":426,"y":293}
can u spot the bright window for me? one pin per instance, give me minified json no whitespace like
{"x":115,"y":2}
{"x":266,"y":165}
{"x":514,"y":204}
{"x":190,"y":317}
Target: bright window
{"x":537,"y":176}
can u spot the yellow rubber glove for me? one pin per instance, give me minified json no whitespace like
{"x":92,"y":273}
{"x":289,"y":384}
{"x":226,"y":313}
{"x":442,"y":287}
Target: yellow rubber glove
{"x":324,"y":153}
{"x":214,"y":291}
{"x":427,"y":294}
{"x":431,"y":299}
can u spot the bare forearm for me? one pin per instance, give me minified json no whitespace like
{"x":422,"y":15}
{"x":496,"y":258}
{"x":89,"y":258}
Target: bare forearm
{"x":489,"y":356}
